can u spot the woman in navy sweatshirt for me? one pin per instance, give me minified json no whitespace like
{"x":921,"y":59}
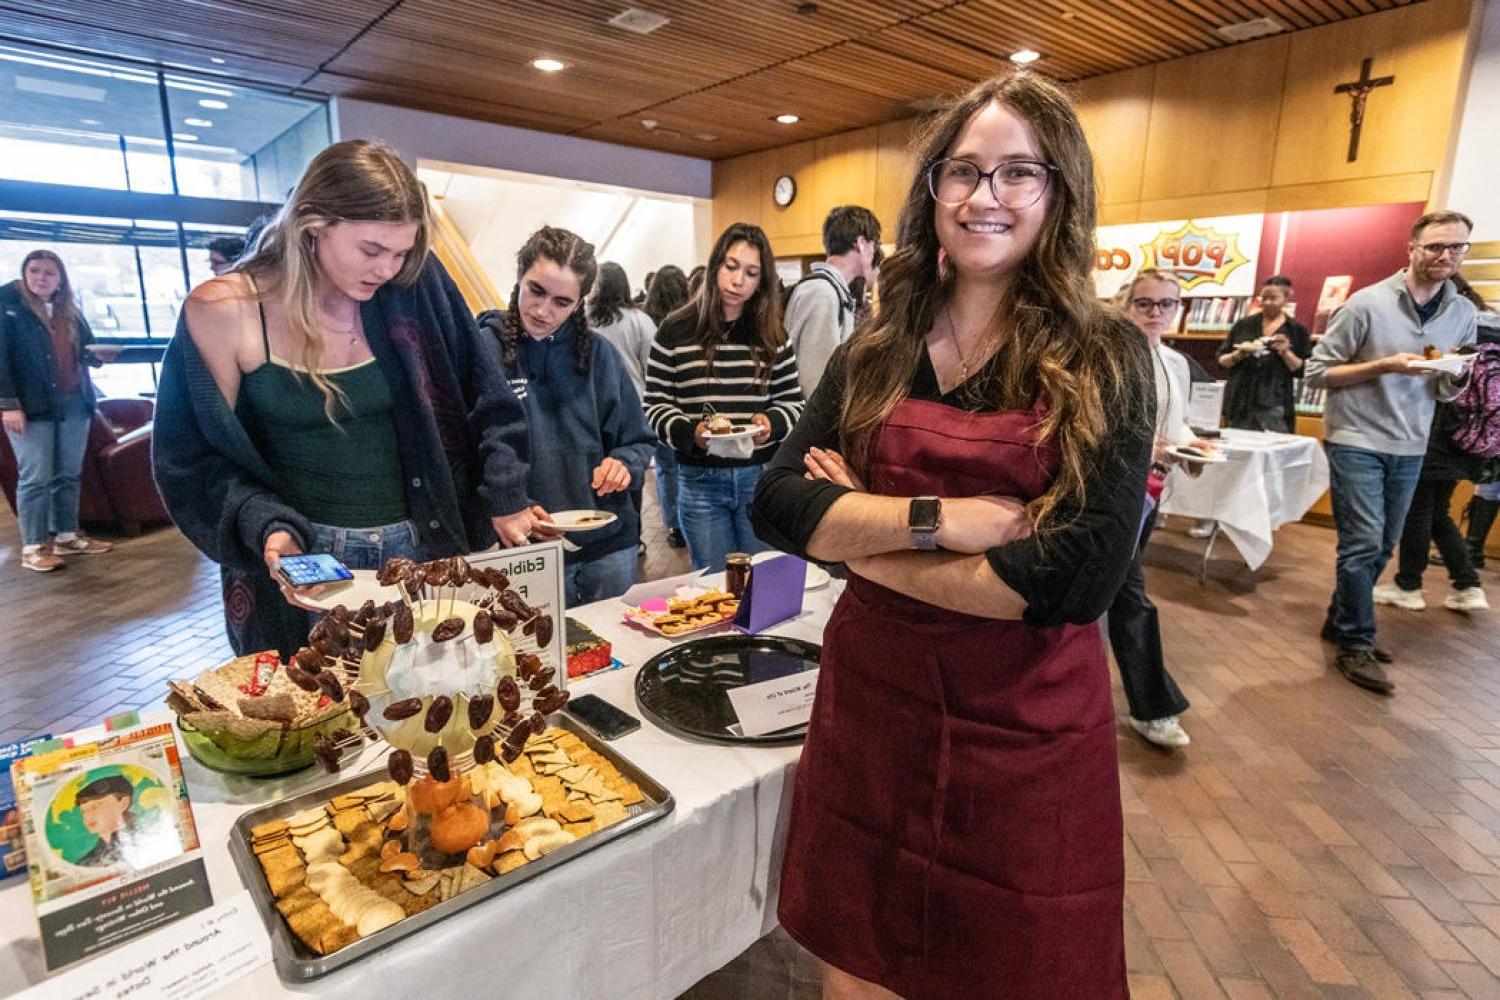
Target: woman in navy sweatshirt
{"x":589,"y":441}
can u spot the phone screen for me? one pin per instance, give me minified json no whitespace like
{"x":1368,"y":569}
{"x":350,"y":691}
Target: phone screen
{"x":603,"y":718}
{"x":308,"y":571}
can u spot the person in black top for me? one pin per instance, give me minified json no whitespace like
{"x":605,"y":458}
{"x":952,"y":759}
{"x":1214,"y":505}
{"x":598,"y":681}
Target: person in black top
{"x":724,"y":358}
{"x":1264,"y":353}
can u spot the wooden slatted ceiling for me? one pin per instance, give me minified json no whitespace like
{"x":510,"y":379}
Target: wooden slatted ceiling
{"x":715,"y":69}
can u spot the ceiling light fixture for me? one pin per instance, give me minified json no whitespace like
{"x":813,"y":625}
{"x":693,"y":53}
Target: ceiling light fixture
{"x":788,"y":119}
{"x":548,"y":65}
{"x":648,"y":123}
{"x":216,"y":60}
{"x":1025,"y":57}
{"x":184,"y":137}
{"x":198,"y":122}
{"x":89,"y":121}
{"x":212,"y":105}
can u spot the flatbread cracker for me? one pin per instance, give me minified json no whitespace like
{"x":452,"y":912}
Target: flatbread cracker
{"x":510,"y":861}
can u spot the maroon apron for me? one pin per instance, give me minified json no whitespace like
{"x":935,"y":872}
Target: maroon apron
{"x":956,"y":827}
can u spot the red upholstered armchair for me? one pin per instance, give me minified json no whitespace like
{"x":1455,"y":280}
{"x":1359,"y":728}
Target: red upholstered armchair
{"x":116,"y":479}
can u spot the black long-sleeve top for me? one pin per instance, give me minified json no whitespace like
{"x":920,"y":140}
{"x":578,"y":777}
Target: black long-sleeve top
{"x":1067,"y":576}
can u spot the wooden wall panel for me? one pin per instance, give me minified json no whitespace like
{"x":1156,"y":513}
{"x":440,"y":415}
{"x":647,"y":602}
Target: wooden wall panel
{"x":895,"y":161}
{"x":1116,"y":114}
{"x":1406,"y":125}
{"x":1206,"y":134}
{"x":1214,"y":121}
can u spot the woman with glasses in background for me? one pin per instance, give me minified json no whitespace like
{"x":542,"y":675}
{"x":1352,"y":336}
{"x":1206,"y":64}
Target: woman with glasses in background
{"x":1263,"y":354}
{"x":1151,"y":303}
{"x":977,"y":458}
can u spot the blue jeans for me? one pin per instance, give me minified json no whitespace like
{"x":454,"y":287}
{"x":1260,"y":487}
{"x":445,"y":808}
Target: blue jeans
{"x":1371,"y":493}
{"x":666,"y":485}
{"x":714,"y":506}
{"x":367,"y":548}
{"x":610,"y":575}
{"x":49,"y":459}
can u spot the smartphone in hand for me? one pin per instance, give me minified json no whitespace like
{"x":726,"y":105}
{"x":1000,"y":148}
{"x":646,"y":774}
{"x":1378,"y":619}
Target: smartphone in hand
{"x":311,"y":570}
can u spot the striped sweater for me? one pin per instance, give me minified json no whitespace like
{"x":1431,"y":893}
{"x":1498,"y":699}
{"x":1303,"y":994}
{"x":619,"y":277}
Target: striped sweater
{"x":681,"y":390}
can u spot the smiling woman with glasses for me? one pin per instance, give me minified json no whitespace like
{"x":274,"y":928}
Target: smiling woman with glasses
{"x":976,"y":456}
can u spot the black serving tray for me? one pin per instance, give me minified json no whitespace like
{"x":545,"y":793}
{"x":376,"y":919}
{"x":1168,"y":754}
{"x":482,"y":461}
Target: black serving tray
{"x":684,"y":690}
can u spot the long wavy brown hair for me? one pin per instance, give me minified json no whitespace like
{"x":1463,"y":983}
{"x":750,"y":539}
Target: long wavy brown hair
{"x":763,"y":309}
{"x":1055,"y":343}
{"x":64,"y":318}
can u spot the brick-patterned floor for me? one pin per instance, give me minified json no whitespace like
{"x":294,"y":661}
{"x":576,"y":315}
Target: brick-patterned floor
{"x":1314,"y":841}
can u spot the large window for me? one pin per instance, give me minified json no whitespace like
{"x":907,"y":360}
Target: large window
{"x":87,"y":150}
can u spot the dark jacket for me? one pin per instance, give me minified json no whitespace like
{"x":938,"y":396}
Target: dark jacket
{"x":460,"y":430}
{"x":575,"y":421}
{"x":28,"y":379}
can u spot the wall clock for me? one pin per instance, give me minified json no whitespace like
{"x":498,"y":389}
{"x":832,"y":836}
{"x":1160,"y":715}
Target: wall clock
{"x":784,"y":190}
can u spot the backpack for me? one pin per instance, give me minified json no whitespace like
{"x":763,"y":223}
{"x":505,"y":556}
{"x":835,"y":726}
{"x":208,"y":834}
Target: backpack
{"x":1478,"y":405}
{"x":823,"y":276}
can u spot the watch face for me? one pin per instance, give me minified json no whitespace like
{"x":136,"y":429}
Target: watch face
{"x":785,"y":190}
{"x":924,"y":514}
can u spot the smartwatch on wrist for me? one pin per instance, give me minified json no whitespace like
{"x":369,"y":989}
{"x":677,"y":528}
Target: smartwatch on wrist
{"x":923,"y":518}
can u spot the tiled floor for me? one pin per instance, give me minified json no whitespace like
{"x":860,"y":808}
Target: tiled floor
{"x":1314,"y":841}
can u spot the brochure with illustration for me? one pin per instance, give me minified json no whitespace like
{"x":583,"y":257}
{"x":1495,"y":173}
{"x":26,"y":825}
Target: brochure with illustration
{"x":12,"y":850}
{"x":111,"y":846}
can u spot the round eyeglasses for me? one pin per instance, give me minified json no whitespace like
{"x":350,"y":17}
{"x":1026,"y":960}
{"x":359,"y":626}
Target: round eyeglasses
{"x":1014,"y":183}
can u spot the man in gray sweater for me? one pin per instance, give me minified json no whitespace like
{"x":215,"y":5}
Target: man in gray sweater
{"x":820,"y":311}
{"x":1378,"y":412}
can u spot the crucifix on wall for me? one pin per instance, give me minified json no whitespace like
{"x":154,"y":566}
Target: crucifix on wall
{"x":1359,"y":92}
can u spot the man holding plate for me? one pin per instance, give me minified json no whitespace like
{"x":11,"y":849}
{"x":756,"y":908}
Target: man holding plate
{"x":1381,"y":395}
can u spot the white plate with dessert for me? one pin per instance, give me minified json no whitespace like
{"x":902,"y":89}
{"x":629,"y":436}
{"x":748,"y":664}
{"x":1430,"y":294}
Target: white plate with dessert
{"x":1198,"y":456}
{"x":580,"y":520}
{"x":1448,"y":364}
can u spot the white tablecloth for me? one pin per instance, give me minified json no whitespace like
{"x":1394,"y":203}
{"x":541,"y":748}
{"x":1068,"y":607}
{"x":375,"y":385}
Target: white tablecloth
{"x":1270,"y":479}
{"x":646,"y":916}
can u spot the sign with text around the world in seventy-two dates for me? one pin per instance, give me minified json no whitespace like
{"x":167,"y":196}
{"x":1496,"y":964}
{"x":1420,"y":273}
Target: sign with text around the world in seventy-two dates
{"x":1209,"y":256}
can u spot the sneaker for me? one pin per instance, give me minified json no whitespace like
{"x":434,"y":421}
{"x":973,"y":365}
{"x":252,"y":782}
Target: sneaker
{"x":1468,"y":599}
{"x":675,"y":539}
{"x":1202,"y":529}
{"x":1167,"y":732}
{"x":41,"y":560}
{"x":1389,"y":593}
{"x":81,"y":545}
{"x":1359,"y":667}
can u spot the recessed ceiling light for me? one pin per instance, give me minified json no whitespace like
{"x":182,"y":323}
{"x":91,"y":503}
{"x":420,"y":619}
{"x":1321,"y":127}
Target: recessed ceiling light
{"x":184,"y":137}
{"x":648,"y":123}
{"x":198,"y":122}
{"x":1025,"y":56}
{"x":788,"y":119}
{"x":216,"y":60}
{"x":548,"y":65}
{"x":88,"y":121}
{"x":212,"y":105}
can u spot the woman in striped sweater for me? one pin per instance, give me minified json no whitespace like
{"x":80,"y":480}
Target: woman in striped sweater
{"x":724,"y":353}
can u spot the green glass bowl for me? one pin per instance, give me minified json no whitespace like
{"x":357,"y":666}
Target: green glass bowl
{"x":278,"y":751}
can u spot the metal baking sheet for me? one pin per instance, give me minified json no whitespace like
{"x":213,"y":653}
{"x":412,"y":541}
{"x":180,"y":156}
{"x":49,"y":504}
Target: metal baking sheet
{"x":295,"y":962}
